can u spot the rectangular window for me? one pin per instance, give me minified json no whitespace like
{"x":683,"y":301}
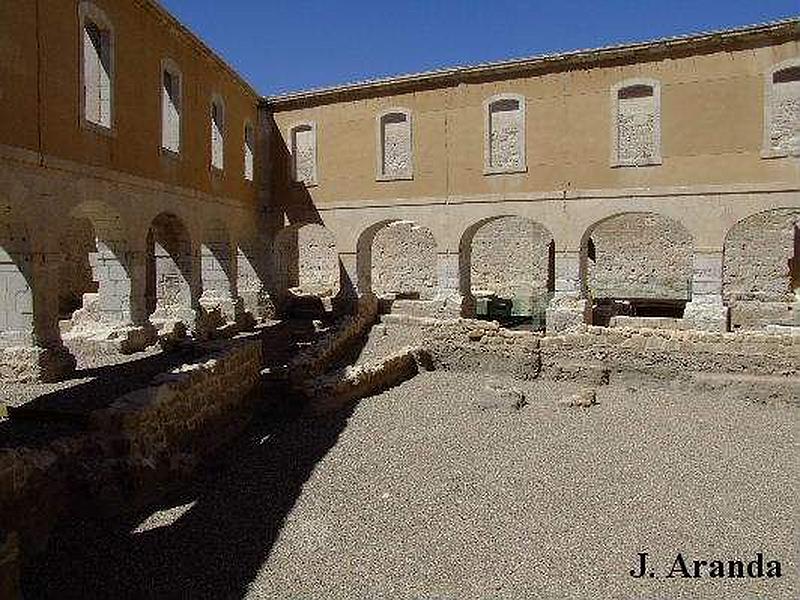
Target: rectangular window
{"x":249,"y":145}
{"x":171,"y":111}
{"x":97,"y":74}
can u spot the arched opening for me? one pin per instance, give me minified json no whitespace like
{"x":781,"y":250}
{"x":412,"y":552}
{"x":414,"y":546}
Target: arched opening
{"x":252,"y":277}
{"x":95,"y":275}
{"x":218,"y":272}
{"x":397,"y":260}
{"x":637,"y":264}
{"x":169,"y":272}
{"x":508,"y":270}
{"x":307,"y":260}
{"x":761,"y":270}
{"x":16,"y":295}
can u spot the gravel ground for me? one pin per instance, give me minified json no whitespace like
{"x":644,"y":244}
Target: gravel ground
{"x":423,"y":493}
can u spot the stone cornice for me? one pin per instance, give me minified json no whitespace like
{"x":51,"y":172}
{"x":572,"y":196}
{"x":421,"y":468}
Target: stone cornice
{"x":688,"y":45}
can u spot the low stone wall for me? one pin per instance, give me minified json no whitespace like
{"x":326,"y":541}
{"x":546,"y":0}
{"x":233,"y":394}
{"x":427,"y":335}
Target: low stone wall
{"x":335,"y":343}
{"x":145,"y":439}
{"x":337,"y":389}
{"x":470,"y":344}
{"x":668,"y":353}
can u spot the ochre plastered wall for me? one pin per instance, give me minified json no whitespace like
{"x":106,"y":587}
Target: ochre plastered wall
{"x":711,"y":120}
{"x":40,"y":95}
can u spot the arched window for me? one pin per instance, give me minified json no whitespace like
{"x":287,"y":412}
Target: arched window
{"x":249,"y":150}
{"x":636,"y":123}
{"x":504,"y":134}
{"x":217,"y":133}
{"x":782,"y":110}
{"x":171,"y":106}
{"x":97,"y":66}
{"x":303,"y":146}
{"x":395,"y":154}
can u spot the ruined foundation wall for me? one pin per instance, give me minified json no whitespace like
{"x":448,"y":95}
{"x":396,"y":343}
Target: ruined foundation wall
{"x":404,"y":261}
{"x":510,"y":258}
{"x":642,"y":256}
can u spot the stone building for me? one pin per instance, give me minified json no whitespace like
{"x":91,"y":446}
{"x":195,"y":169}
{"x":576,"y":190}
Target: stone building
{"x":146,"y":189}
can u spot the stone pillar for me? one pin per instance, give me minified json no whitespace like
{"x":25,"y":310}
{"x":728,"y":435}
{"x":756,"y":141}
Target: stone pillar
{"x":706,"y":311}
{"x":568,"y":310}
{"x":43,"y":356}
{"x":348,"y":275}
{"x":447,"y":290}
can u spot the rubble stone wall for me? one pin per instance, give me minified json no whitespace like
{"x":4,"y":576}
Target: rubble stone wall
{"x":638,"y":255}
{"x":404,"y":261}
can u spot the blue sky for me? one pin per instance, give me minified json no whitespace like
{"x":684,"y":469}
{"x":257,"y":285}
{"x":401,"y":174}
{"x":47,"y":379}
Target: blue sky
{"x":286,"y":45}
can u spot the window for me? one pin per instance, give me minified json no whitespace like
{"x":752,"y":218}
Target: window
{"x":170,"y":107}
{"x":504,"y":134}
{"x":249,"y":146}
{"x":395,"y":156}
{"x":782,"y":110}
{"x":217,"y":133}
{"x":303,"y":146}
{"x":636,"y":123}
{"x":97,"y":66}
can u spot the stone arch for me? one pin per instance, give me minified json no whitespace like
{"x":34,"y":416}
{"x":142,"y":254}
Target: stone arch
{"x":511,"y":258}
{"x":108,"y":299}
{"x":761,"y":269}
{"x":397,"y":259}
{"x":307,"y":260}
{"x":218,"y":266}
{"x":16,"y":286}
{"x":171,"y":281}
{"x":252,"y":276}
{"x":642,"y":265}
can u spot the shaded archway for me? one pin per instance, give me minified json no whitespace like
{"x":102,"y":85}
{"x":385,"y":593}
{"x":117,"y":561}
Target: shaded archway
{"x":218,"y":272}
{"x":761,"y":270}
{"x":397,"y":260}
{"x":170,"y":272}
{"x":106,"y":300}
{"x":638,"y":264}
{"x":507,"y":268}
{"x":307,"y":260}
{"x":16,"y":286}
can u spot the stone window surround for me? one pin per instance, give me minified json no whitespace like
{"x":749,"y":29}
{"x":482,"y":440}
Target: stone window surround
{"x":248,"y":128}
{"x":290,"y":137}
{"x":379,"y":154}
{"x":655,"y":85}
{"x":216,"y":99}
{"x":91,"y":12}
{"x":168,"y":64}
{"x":488,"y":169}
{"x":767,"y":151}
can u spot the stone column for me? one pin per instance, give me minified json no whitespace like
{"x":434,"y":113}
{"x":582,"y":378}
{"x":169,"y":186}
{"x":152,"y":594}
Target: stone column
{"x":447,"y":290}
{"x":706,"y":311}
{"x":568,"y":309}
{"x":43,"y":357}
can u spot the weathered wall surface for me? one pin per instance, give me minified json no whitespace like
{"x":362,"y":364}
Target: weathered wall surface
{"x":510,"y":258}
{"x":306,"y":259}
{"x":404,"y":261}
{"x":760,"y":258}
{"x":640,"y":256}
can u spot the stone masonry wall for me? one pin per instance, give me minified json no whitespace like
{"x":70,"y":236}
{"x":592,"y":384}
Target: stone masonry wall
{"x":644,"y":256}
{"x":307,"y":259}
{"x":758,"y":252}
{"x":404,"y":261}
{"x":510,"y":258}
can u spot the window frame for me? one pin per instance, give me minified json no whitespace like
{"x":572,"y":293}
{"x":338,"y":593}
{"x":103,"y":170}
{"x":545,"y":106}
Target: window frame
{"x":248,"y":126}
{"x":217,"y":99}
{"x":408,"y":174}
{"x":767,"y":150}
{"x":290,"y":139}
{"x":657,"y":158}
{"x":88,"y":11}
{"x":168,"y":64}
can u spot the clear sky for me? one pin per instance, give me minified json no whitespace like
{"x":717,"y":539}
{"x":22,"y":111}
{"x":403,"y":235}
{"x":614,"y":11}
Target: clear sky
{"x":288,"y":45}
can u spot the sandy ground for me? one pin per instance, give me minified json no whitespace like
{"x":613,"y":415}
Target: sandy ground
{"x":422,"y":493}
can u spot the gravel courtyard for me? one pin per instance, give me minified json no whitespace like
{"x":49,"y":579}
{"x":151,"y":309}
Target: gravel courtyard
{"x":432,"y":490}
